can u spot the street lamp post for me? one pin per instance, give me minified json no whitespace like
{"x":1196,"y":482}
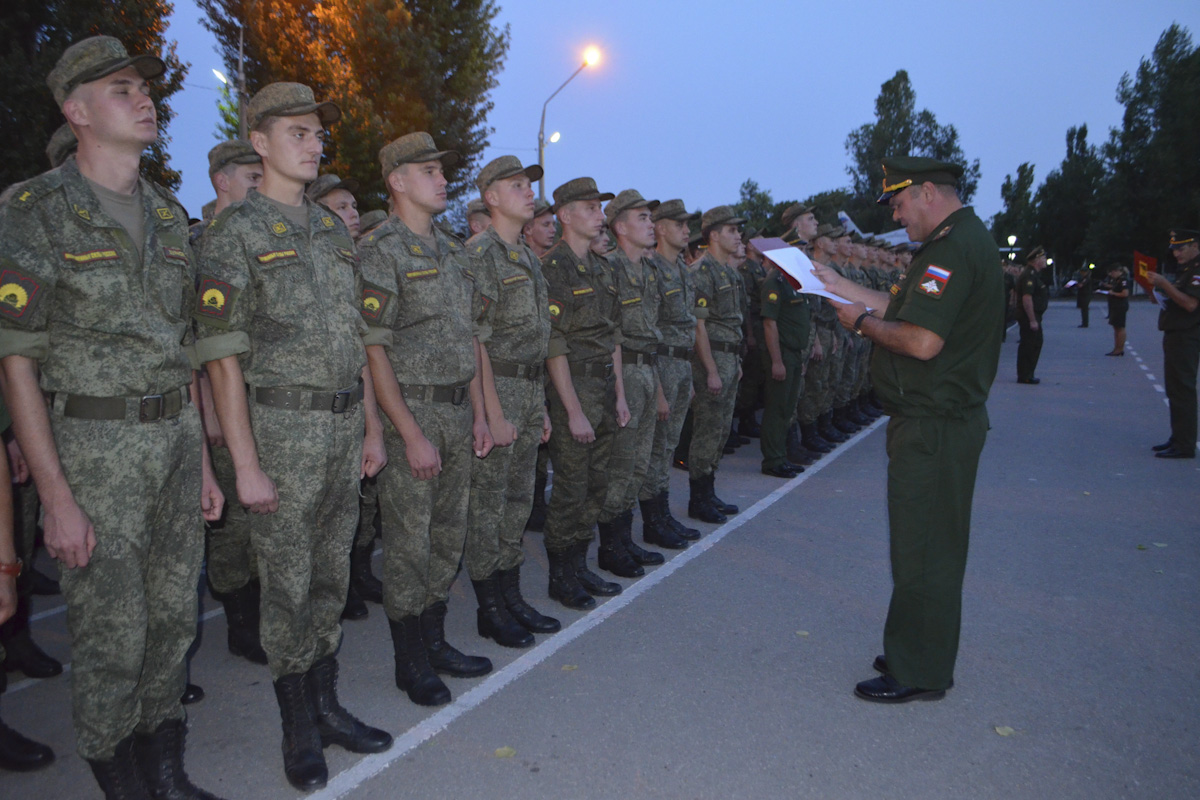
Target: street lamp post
{"x":1012,"y":242}
{"x":591,"y":57}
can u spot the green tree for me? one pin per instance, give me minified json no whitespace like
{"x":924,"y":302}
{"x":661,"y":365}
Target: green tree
{"x":1017,"y":218}
{"x":1066,"y":203}
{"x":899,"y":129}
{"x":394,"y":67}
{"x":826,"y":205}
{"x":35,"y":33}
{"x":755,"y":206}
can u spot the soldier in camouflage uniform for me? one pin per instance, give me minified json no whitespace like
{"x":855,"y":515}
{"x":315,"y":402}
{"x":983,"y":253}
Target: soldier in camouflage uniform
{"x":586,"y":393}
{"x":95,"y":259}
{"x":539,"y":234}
{"x":278,"y":325}
{"x":478,"y":217}
{"x":816,"y":402}
{"x":513,"y":341}
{"x":750,"y":389}
{"x":420,"y":303}
{"x":845,"y":379}
{"x":801,"y":232}
{"x":370,"y":221}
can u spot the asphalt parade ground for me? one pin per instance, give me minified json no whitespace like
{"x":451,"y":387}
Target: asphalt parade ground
{"x":728,"y":672}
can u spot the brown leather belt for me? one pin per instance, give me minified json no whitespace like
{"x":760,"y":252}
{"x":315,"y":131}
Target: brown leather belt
{"x":507,"y":370}
{"x":670,"y":351}
{"x":147,"y":408}
{"x":593,"y":369}
{"x":631,"y":357}
{"x":296,"y":399}
{"x":724,"y":347}
{"x":455,"y":395}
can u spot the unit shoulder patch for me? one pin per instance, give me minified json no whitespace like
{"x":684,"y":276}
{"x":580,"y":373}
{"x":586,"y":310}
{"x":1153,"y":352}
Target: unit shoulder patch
{"x":933,"y":282}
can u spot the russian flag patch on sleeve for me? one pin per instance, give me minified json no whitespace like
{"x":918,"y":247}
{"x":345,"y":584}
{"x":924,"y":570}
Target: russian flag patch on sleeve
{"x":933,"y":282}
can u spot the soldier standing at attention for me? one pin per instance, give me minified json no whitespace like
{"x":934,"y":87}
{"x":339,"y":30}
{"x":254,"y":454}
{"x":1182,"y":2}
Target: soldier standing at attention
{"x":586,"y":393}
{"x":514,"y":338}
{"x":1033,"y":297}
{"x":1118,"y":305}
{"x":279,"y":328}
{"x":478,"y":217}
{"x":937,"y":346}
{"x":1180,"y":324}
{"x":419,"y":300}
{"x":539,"y":233}
{"x":96,"y":259}
{"x":786,"y":329}
{"x":337,"y":195}
{"x":750,"y":388}
{"x":1083,"y":295}
{"x":715,"y":369}
{"x":817,"y":433}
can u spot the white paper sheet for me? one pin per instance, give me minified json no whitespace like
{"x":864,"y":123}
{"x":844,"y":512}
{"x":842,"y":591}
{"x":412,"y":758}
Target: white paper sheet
{"x":796,"y":264}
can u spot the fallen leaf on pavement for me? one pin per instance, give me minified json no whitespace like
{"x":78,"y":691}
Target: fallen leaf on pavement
{"x":1004,"y":730}
{"x":1160,"y":544}
{"x":570,"y":667}
{"x":505,"y":752}
{"x":1142,"y":547}
{"x":802,"y":633}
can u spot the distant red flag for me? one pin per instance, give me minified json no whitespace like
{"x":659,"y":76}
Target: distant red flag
{"x":1143,"y":265}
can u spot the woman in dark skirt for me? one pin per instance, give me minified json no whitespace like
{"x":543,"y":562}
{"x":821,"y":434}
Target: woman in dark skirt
{"x":1118,"y":304}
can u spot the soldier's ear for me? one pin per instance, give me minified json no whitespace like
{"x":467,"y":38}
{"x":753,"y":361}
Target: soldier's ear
{"x":260,"y":142}
{"x":395,"y":181}
{"x":75,"y":109}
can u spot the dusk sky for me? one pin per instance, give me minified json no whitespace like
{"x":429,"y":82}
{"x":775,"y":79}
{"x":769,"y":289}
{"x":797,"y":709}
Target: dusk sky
{"x":692,"y":98}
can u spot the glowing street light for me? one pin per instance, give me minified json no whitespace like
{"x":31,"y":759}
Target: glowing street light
{"x":1012,"y":242}
{"x":221,"y":76}
{"x":554,"y":137}
{"x":591,"y":57}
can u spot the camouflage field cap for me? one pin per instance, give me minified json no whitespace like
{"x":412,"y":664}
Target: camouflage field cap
{"x":1034,"y":253}
{"x":477,"y":206}
{"x":793,"y":211}
{"x":504,"y":167}
{"x":413,"y":148}
{"x":627,"y":200}
{"x":748,"y":233}
{"x":1183,"y":236}
{"x":288,"y":100}
{"x":720,"y":215}
{"x":540,"y":207}
{"x":94,"y":58}
{"x":829,"y":230}
{"x":370,"y":220}
{"x":61,"y":145}
{"x":324,"y":184}
{"x":576,"y":190}
{"x":673,"y":210}
{"x":900,"y":172}
{"x":234,"y":151}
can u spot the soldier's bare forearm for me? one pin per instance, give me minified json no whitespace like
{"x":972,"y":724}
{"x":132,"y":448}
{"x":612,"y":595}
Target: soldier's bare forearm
{"x":373,"y":425}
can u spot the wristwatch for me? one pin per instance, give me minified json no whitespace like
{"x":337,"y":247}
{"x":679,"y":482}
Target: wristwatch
{"x":858,"y":322}
{"x":12,"y":569}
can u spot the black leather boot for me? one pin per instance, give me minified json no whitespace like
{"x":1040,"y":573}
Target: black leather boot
{"x":18,"y":753}
{"x":303,"y":761}
{"x":612,"y":555}
{"x":642,"y":556}
{"x":119,"y":777}
{"x":590,"y":581}
{"x":335,"y":724}
{"x":444,"y":657}
{"x":827,"y":430}
{"x":718,"y":503}
{"x":856,"y":416}
{"x":700,"y":503}
{"x":748,"y":426}
{"x":797,"y":453}
{"x":355,"y":608}
{"x":160,"y":758}
{"x":682,"y":531}
{"x":529,"y":617}
{"x":812,"y":440}
{"x":843,"y":423}
{"x":414,"y":676}
{"x":492,"y":619}
{"x":537,"y":514}
{"x":20,"y":651}
{"x":866,"y":409}
{"x":564,"y":586}
{"x":655,"y":529}
{"x":363,"y":582}
{"x":241,"y":620}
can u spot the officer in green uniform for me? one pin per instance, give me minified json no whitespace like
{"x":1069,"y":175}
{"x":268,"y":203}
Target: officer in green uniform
{"x":937,"y":346}
{"x":96,"y":260}
{"x":1033,"y":297}
{"x":279,"y":327}
{"x":1083,"y":294}
{"x":586,"y":392}
{"x":786,"y":329}
{"x":513,"y":337}
{"x":1180,"y":324}
{"x":421,"y":305}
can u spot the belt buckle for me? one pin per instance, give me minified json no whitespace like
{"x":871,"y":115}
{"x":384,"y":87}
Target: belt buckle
{"x":143,"y":413}
{"x":459,"y":395}
{"x":341,"y":401}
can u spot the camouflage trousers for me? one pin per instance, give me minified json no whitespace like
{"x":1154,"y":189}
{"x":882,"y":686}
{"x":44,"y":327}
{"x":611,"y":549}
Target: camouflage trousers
{"x":816,"y":397}
{"x":231,"y":561}
{"x":847,"y":379}
{"x":425,"y":522}
{"x":369,"y":523}
{"x":630,"y":458}
{"x":675,"y":375}
{"x":580,"y":470}
{"x":315,"y":458}
{"x":132,"y":610}
{"x":711,"y":415}
{"x":502,"y":484}
{"x":864,"y":366}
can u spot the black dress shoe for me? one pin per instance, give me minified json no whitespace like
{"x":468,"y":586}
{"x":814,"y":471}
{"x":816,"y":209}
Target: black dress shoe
{"x":886,"y":689}
{"x":880,"y":666}
{"x":1031,"y":381}
{"x":22,"y":653}
{"x":192,"y":694}
{"x":1115,"y":353}
{"x":21,"y":754}
{"x":1167,"y":445}
{"x":1173,"y":452}
{"x":779,"y":472}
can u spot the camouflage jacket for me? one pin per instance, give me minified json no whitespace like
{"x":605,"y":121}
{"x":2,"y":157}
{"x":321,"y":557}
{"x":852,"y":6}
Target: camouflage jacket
{"x":676,"y":322}
{"x":516,"y":319}
{"x":585,"y":313}
{"x":637,"y":288}
{"x":719,"y":299}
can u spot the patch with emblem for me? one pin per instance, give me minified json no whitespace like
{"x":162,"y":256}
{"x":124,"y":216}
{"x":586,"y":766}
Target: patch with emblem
{"x":90,"y":256}
{"x":702,"y":302}
{"x":555,"y":308}
{"x":279,"y":227}
{"x":1196,"y":280}
{"x":631,"y":301}
{"x":514,"y":256}
{"x":213,"y":299}
{"x":24,"y":197}
{"x":83,"y":213}
{"x":276,"y":255}
{"x":421,"y":273}
{"x":327,"y":222}
{"x":164,"y":213}
{"x":175,"y":254}
{"x":512,"y":280}
{"x":934,"y":281}
{"x":374,"y":302}
{"x":894,"y":290}
{"x":453,"y":244}
{"x":583,"y":291}
{"x":773,"y":297}
{"x":416,"y":248}
{"x":17,"y":293}
{"x":581,"y":267}
{"x":478,"y":249}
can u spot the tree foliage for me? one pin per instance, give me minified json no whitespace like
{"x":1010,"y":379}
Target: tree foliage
{"x":1066,"y":203}
{"x":1018,"y":217}
{"x":36,"y":33}
{"x":394,"y":67}
{"x":754,"y":205}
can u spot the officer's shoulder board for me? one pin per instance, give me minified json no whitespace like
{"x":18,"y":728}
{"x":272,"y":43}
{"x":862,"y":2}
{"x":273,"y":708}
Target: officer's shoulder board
{"x":28,"y":194}
{"x":222,"y":219}
{"x":455,"y":241}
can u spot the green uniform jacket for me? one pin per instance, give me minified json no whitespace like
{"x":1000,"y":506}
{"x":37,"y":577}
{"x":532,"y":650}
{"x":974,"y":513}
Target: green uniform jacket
{"x":1173,"y":317}
{"x":585,"y":313}
{"x":789,"y":309}
{"x":676,"y":322}
{"x":637,"y":288}
{"x":1031,"y":283}
{"x":719,"y":300}
{"x":516,"y":317}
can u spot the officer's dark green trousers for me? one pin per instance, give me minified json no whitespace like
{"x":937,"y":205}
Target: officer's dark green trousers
{"x":1029,"y":349}
{"x":1181,"y":352}
{"x":779,"y":407}
{"x":932,"y":463}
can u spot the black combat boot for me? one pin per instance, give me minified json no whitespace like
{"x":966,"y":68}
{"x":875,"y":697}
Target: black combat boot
{"x":160,"y":758}
{"x":363,"y":582}
{"x":414,"y":676}
{"x":355,"y":608}
{"x":843,"y":423}
{"x":812,"y":440}
{"x":855,"y":415}
{"x":443,"y":657}
{"x":564,"y":585}
{"x":537,"y":514}
{"x":748,"y":426}
{"x":335,"y":724}
{"x":645,"y":558}
{"x":303,"y":761}
{"x":119,"y":776}
{"x":492,"y":619}
{"x":18,"y":753}
{"x":655,"y":529}
{"x":700,"y":504}
{"x":718,"y":503}
{"x":827,"y":430}
{"x":797,"y":454}
{"x":612,"y":555}
{"x":590,"y":581}
{"x":867,"y":410}
{"x":241,"y":621}
{"x":529,"y":617}
{"x":682,"y":531}
{"x":20,"y":651}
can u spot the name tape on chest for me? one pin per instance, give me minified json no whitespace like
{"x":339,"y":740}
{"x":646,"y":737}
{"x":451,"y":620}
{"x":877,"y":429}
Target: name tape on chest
{"x":933,"y":282}
{"x":276,"y":255}
{"x":90,"y":256}
{"x":418,"y":274}
{"x":513,"y":280}
{"x":582,"y":292}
